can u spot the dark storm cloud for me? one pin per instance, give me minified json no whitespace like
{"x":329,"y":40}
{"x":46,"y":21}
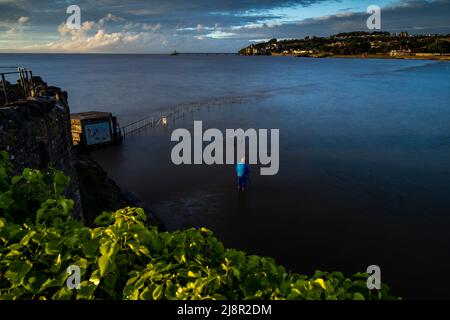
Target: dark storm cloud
{"x":417,"y":17}
{"x":226,"y":13}
{"x":10,"y":12}
{"x":171,"y":11}
{"x":207,"y":25}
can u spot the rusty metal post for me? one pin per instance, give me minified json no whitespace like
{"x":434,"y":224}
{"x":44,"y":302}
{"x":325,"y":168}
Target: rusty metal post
{"x":33,"y":87}
{"x":22,"y":80}
{"x":4,"y":88}
{"x":25,"y":76}
{"x":28,"y":86}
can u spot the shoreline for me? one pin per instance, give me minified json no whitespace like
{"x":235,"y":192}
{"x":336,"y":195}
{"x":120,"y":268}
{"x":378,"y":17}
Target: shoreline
{"x":372,"y":56}
{"x":435,"y":58}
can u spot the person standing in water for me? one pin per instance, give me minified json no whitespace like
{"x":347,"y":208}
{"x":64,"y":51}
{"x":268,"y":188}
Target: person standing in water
{"x":243,"y":173}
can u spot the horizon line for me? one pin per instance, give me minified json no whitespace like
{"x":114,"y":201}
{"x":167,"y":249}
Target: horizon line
{"x":120,"y":53}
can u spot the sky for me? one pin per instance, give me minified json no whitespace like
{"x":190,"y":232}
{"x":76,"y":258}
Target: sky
{"x":162,"y":26}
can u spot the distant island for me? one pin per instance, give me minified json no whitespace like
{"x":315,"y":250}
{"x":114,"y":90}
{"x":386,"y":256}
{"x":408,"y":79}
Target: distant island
{"x":358,"y":44}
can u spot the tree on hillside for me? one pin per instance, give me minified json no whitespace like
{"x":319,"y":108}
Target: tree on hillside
{"x":439,"y":46}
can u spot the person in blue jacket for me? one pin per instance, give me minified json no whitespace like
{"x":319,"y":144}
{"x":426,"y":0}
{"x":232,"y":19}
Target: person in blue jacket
{"x":243,"y":173}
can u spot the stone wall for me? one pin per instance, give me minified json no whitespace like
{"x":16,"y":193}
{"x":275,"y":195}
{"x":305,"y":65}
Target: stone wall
{"x":36,"y":134}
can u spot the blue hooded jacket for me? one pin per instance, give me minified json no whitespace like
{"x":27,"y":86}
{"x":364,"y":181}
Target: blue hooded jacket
{"x":242,"y":169}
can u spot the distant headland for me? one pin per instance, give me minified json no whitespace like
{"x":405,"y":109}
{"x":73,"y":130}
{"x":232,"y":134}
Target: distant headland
{"x":358,"y":44}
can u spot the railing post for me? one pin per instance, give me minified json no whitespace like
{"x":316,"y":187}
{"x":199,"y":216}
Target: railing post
{"x":23,"y":81}
{"x":4,"y":88}
{"x":27,"y":88}
{"x":33,"y":87}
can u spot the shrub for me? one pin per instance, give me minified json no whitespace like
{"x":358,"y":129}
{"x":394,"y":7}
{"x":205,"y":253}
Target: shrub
{"x":32,"y":193}
{"x":122,"y":258}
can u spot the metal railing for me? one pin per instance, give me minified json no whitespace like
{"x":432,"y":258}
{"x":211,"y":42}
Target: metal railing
{"x":137,"y":126}
{"x":25,"y":81}
{"x":176,"y":112}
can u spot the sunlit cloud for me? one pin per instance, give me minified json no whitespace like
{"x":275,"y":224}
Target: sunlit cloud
{"x":23,"y":20}
{"x":218,"y":34}
{"x":158,"y":26}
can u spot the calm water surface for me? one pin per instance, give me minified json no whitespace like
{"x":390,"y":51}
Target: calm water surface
{"x":364,"y":161}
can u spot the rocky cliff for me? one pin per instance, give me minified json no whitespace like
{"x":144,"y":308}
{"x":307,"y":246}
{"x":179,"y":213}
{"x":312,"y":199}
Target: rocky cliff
{"x":36,"y":133}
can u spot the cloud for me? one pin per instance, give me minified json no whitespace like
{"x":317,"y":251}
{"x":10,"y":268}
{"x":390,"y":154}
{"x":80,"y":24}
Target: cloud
{"x":201,"y":25}
{"x":11,"y":11}
{"x":109,"y":34}
{"x":14,"y":29}
{"x":151,"y":27}
{"x":217,"y":34}
{"x":107,"y":18}
{"x":92,"y":36}
{"x":23,"y":20}
{"x":415,"y":16}
{"x":86,"y":26}
{"x":200,"y":28}
{"x":100,"y":40}
{"x":174,"y":12}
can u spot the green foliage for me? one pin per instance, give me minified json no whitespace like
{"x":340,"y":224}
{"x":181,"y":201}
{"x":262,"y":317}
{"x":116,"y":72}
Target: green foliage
{"x":32,"y":194}
{"x":122,"y":258}
{"x":355,"y":43}
{"x":439,"y":46}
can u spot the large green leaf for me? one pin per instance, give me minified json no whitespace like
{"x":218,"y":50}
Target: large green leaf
{"x":17,"y":271}
{"x":104,"y":265}
{"x":157,"y":292}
